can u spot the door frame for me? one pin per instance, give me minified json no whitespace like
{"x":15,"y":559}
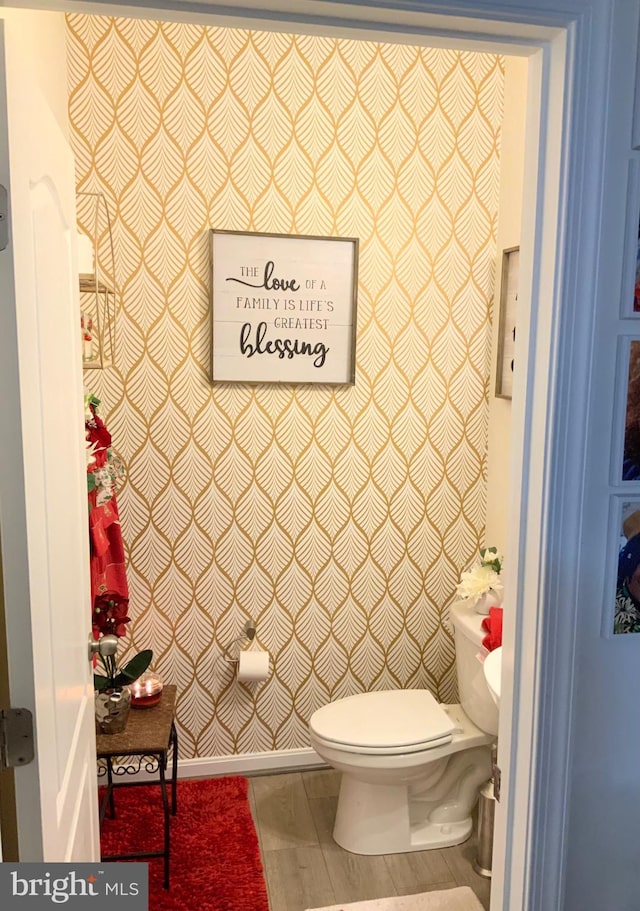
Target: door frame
{"x":569,"y":48}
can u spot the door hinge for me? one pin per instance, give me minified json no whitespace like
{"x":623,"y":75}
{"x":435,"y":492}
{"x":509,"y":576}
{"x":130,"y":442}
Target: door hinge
{"x":16,"y":738}
{"x":4,"y":218}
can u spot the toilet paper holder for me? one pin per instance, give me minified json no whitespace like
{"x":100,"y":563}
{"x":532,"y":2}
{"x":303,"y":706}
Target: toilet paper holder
{"x":248,"y":636}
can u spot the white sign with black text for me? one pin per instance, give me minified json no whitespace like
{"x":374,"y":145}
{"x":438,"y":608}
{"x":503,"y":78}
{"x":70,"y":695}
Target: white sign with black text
{"x":284,"y":308}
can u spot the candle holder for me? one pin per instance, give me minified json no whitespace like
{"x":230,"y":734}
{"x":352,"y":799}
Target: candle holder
{"x":146,"y":691}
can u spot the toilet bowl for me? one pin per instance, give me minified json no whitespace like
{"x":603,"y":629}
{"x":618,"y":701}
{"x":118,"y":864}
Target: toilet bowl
{"x":411,"y":767}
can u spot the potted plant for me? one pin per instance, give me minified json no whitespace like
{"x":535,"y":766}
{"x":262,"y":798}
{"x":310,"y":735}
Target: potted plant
{"x":481,"y":583}
{"x":113,"y":696}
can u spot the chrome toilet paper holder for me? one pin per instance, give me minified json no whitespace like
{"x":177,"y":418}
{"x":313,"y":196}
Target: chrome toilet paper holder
{"x":248,"y":636}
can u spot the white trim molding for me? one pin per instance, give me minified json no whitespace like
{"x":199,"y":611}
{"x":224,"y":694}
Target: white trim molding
{"x":560,"y":778}
{"x":270,"y":762}
{"x":251,"y":763}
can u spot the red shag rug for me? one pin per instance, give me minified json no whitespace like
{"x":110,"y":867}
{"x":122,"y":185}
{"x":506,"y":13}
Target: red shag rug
{"x":215,"y":858}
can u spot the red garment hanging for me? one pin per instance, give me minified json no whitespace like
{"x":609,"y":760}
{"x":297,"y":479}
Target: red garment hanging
{"x":107,"y":560}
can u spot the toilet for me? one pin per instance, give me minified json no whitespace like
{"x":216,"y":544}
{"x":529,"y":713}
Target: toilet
{"x":412,"y":768}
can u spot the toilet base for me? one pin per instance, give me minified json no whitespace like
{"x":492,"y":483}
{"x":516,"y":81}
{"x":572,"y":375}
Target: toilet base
{"x":374,"y":818}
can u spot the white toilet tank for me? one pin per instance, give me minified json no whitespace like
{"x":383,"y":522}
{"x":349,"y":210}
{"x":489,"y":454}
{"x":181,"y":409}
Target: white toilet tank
{"x":474,"y":694}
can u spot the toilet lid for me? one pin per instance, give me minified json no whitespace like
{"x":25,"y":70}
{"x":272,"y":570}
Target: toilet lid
{"x":385,"y":720}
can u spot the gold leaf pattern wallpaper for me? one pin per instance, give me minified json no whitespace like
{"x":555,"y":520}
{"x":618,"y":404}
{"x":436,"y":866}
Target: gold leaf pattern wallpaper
{"x":337,"y":518}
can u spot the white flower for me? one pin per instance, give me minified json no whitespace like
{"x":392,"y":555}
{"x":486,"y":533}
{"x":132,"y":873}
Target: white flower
{"x":478,"y":580}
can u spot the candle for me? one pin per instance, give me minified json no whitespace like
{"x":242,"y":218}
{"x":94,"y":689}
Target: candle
{"x":146,"y":690}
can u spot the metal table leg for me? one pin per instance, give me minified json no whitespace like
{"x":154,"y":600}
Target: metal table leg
{"x":165,"y":810}
{"x":112,"y":804}
{"x":173,"y":739}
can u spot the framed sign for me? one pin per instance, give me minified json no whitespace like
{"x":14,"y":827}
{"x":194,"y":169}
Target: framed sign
{"x":284,"y":308}
{"x":507,"y":322}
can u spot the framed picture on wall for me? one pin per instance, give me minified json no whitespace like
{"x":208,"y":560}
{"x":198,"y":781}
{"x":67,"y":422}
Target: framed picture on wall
{"x":629,"y":384}
{"x":284,"y":308}
{"x":630,"y":285}
{"x":636,"y":273}
{"x":622,"y":597}
{"x":507,"y":322}
{"x":635,"y":129}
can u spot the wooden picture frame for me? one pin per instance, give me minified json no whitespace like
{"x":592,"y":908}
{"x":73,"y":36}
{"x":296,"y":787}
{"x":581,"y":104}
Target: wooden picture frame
{"x":507,"y":322}
{"x":283,"y":308}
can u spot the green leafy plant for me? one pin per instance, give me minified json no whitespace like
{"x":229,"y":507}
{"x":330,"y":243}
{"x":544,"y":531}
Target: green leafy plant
{"x":115,"y":677}
{"x":490,"y":557}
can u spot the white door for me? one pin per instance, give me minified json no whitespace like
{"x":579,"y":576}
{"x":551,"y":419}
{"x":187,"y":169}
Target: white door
{"x":43,"y":502}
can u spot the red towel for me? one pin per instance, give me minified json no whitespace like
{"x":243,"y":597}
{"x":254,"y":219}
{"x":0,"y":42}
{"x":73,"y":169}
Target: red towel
{"x":493,"y":626}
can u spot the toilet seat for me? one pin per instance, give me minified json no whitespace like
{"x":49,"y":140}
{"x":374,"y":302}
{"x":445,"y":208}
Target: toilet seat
{"x":384,"y":722}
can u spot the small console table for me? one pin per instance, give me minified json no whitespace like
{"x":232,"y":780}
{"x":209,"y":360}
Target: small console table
{"x":149,"y":735}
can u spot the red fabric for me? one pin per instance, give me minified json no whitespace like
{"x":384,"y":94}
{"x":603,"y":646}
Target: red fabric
{"x":493,"y":627}
{"x":215,"y":858}
{"x":108,"y":561}
{"x":98,"y":434}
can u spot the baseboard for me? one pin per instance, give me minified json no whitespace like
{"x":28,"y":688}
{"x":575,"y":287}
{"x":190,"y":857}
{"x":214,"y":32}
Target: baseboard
{"x":251,"y":763}
{"x":238,"y":764}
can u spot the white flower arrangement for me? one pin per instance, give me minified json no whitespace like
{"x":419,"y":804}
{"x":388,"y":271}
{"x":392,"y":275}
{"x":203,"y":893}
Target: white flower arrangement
{"x":483,"y":575}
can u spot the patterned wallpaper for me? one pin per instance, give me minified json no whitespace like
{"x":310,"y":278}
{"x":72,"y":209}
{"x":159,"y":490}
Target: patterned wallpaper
{"x":338,"y":518}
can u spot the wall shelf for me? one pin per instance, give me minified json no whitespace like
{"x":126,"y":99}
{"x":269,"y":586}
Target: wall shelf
{"x":89,"y":285}
{"x":96,"y":281}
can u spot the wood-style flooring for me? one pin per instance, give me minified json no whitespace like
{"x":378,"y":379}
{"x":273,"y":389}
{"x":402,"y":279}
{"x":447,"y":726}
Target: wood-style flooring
{"x":304,"y":867}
